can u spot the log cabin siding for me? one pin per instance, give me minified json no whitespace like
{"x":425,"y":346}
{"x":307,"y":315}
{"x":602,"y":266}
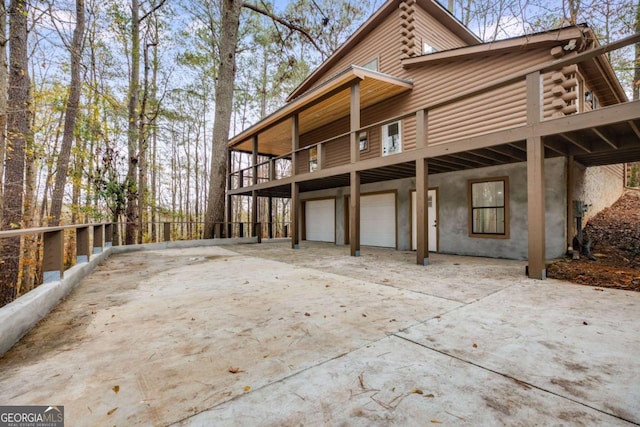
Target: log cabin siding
{"x":431,"y":31}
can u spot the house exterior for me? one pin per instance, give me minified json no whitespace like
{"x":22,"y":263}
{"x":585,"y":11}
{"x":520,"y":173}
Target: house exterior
{"x":416,"y":135}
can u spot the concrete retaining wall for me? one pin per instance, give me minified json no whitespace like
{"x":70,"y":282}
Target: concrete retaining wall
{"x":18,"y":317}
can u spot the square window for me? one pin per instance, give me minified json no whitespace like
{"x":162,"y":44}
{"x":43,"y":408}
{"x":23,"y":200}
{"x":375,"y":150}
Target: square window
{"x":313,"y":159}
{"x":489,"y":208}
{"x":391,"y":139}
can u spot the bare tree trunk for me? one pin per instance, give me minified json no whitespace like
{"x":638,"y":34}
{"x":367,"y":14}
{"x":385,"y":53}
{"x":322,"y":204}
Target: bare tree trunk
{"x":636,"y":62}
{"x":224,"y":102}
{"x":17,"y":129}
{"x":132,"y":170}
{"x":71,"y":113}
{"x":3,"y":96}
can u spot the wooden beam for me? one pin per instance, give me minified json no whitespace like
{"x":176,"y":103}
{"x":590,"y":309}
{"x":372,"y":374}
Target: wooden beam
{"x":471,"y":157}
{"x":422,"y":217}
{"x":536,"y":208}
{"x":634,"y":128}
{"x":605,"y":138}
{"x":576,"y":143}
{"x":354,"y":214}
{"x":554,"y":149}
{"x":504,"y":150}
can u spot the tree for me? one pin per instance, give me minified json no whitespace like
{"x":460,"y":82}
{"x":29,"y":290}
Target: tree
{"x":18,"y":104}
{"x":71,"y":113}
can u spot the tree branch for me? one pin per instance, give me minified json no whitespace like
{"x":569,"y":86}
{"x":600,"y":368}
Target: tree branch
{"x":146,"y":15}
{"x":287,"y":24}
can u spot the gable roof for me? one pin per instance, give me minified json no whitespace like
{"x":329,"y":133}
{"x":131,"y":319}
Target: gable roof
{"x":431,"y":6}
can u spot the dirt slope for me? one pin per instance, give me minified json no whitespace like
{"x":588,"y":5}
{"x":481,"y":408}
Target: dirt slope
{"x":615,"y":233}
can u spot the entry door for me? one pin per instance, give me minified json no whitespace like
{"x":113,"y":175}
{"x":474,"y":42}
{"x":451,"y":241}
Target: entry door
{"x":432,"y":220}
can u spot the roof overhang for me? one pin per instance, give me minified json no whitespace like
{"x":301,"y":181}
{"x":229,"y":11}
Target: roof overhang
{"x":320,"y":106}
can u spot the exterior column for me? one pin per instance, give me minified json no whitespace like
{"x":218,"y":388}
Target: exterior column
{"x":53,"y":256}
{"x":295,"y":216}
{"x":422,"y":217}
{"x":355,"y":122}
{"x":354,"y":214}
{"x":536,"y":208}
{"x":83,"y":252}
{"x":254,"y":213}
{"x":226,"y":231}
{"x":570,"y":218}
{"x":270,"y":225}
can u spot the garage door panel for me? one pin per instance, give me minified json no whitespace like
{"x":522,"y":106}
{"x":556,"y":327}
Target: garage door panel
{"x":320,"y":221}
{"x":378,"y":220}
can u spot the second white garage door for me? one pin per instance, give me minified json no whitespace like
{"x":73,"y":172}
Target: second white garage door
{"x":378,"y":220}
{"x":320,"y":221}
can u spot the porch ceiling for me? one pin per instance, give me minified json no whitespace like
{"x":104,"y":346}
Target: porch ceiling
{"x":319,"y":107}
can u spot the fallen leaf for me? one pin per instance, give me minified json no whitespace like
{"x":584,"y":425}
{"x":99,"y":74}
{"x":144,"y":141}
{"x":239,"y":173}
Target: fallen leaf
{"x":392,"y":320}
{"x":307,"y":314}
{"x":429,"y":395}
{"x":235,"y":370}
{"x":585,"y":323}
{"x":475,"y":345}
{"x":116,"y":389}
{"x":364,"y":314}
{"x":417,"y":391}
{"x":247,"y":388}
{"x":326,"y":286}
{"x":112,"y":411}
{"x":436,"y":422}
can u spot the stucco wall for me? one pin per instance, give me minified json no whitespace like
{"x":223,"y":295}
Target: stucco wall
{"x":453,"y":210}
{"x":599,"y":186}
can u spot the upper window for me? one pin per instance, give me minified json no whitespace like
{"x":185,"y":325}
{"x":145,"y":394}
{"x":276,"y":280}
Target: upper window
{"x":364,"y":141}
{"x":313,"y":158}
{"x":489,"y":208}
{"x":371,"y":65}
{"x":391,"y":138}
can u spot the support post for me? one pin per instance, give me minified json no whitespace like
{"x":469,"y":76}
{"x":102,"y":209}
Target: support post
{"x":82,"y":245}
{"x":535,"y":182}
{"x":258,"y":233}
{"x":228,"y":232}
{"x":295,"y":215}
{"x":422,"y":217}
{"x":270,"y":225}
{"x":354,"y":214}
{"x":254,"y":211}
{"x":53,"y":256}
{"x":98,"y":238}
{"x":355,"y":122}
{"x":570,"y":218}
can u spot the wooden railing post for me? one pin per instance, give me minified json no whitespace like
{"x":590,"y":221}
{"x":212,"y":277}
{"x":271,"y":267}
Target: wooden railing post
{"x":98,"y":238}
{"x":53,"y":257}
{"x":258,"y":231}
{"x":167,"y":232}
{"x":108,"y":235}
{"x":82,"y":245}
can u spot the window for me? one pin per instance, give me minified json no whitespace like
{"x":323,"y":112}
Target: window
{"x":391,"y":139}
{"x":427,"y":48}
{"x":489,"y":208}
{"x":371,"y":65}
{"x":364,"y":141}
{"x":313,"y":158}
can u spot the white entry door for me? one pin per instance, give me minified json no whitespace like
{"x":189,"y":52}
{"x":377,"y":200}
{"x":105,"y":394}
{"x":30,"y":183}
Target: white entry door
{"x":432,"y":220}
{"x":320,"y":220}
{"x":378,"y":220}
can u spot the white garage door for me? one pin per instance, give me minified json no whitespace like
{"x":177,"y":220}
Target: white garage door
{"x":320,"y":221}
{"x":378,"y":220}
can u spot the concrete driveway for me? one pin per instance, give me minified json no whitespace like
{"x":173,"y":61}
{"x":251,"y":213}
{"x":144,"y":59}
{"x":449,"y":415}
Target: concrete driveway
{"x":265,"y":335}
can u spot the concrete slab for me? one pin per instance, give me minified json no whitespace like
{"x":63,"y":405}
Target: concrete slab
{"x":575,"y":341}
{"x":464,"y":279}
{"x":395,"y":383}
{"x":183,"y":330}
{"x":210,"y":336}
